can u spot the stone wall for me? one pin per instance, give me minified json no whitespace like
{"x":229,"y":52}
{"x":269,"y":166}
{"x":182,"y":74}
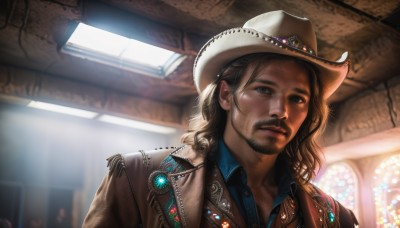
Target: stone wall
{"x":372,"y":111}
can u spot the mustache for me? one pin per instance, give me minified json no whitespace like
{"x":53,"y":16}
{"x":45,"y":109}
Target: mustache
{"x":272,"y":122}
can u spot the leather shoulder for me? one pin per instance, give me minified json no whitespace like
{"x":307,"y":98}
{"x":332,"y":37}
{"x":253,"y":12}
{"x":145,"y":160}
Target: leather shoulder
{"x":131,"y":173}
{"x":345,"y":217}
{"x":139,"y":161}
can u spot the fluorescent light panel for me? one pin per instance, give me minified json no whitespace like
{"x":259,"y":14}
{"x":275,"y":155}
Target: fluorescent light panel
{"x":62,"y":109}
{"x":119,"y":51}
{"x":104,"y":118}
{"x":137,"y":124}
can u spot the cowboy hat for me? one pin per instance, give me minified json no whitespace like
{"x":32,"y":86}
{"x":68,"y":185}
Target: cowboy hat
{"x":272,"y":32}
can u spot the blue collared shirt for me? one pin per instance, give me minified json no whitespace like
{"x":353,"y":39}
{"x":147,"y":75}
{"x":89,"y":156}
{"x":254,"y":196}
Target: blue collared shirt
{"x":236,"y":181}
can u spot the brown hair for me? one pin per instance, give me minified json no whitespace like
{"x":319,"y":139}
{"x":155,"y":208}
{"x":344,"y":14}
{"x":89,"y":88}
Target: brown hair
{"x":302,"y":152}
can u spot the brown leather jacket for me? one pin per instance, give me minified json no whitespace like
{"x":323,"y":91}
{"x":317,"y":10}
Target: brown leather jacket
{"x":180,"y":188}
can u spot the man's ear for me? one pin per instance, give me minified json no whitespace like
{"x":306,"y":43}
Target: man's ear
{"x":224,"y":95}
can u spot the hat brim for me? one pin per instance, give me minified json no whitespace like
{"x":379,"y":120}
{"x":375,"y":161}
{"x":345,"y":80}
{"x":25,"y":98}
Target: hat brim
{"x":234,"y":43}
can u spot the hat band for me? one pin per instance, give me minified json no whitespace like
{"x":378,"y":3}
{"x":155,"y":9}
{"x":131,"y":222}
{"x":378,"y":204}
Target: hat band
{"x":296,"y":43}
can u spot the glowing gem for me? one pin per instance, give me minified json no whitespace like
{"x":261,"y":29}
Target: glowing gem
{"x":331,"y":216}
{"x":160,"y":181}
{"x":225,"y":225}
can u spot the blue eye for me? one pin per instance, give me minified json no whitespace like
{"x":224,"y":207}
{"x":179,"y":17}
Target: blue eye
{"x":264,"y":90}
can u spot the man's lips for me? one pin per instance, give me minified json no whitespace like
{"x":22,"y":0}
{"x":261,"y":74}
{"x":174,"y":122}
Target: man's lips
{"x":274,"y":129}
{"x":274,"y":125}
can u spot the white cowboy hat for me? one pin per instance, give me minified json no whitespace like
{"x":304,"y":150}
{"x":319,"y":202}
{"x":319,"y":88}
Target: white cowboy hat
{"x":272,"y":32}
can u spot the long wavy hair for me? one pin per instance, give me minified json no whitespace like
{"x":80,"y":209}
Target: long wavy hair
{"x":302,"y":153}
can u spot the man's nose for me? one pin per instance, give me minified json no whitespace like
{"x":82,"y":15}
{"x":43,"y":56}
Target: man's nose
{"x":278,"y":108}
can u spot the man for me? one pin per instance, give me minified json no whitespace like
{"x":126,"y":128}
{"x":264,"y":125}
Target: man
{"x":251,"y":151}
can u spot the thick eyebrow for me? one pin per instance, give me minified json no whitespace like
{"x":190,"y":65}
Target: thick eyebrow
{"x":268,"y":82}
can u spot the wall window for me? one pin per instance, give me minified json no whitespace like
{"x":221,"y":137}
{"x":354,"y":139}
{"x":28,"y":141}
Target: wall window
{"x":387,"y":192}
{"x":340,"y":181}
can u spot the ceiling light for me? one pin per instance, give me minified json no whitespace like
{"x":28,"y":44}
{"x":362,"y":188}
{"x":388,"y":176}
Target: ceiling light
{"x":111,"y":49}
{"x":62,"y":109}
{"x":137,"y":124}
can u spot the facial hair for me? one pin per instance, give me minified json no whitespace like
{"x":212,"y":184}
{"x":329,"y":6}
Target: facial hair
{"x":263,"y":149}
{"x":259,"y":148}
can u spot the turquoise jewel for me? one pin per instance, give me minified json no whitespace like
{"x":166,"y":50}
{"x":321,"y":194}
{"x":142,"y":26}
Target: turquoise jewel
{"x":160,"y":181}
{"x":331,"y":216}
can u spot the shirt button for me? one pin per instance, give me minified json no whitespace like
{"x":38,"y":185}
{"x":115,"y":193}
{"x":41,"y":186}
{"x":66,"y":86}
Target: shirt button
{"x":246,"y":193}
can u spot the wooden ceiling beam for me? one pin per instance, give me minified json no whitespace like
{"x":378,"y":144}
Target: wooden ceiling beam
{"x":46,"y":88}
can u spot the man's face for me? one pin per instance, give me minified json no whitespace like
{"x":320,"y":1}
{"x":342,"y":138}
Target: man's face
{"x":270,"y":107}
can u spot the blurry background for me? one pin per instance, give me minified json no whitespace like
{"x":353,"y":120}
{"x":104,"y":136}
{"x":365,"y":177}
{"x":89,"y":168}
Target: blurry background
{"x":51,"y":163}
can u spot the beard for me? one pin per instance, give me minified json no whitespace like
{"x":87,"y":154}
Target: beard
{"x":261,"y":148}
{"x":269,"y":149}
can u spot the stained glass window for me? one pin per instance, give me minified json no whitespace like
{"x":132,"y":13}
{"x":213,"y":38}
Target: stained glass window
{"x":340,"y":181}
{"x":387,"y":192}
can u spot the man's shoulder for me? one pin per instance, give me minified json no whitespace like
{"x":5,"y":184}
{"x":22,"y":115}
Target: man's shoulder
{"x":336,"y":211}
{"x":141,"y":160}
{"x":150,"y":160}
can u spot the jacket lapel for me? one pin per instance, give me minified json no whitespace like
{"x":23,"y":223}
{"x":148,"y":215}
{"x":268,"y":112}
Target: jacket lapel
{"x":200,"y":192}
{"x":221,"y":208}
{"x":188,"y":188}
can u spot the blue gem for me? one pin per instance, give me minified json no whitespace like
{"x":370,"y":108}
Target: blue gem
{"x":217,"y":217}
{"x":331,"y":216}
{"x":160,"y":181}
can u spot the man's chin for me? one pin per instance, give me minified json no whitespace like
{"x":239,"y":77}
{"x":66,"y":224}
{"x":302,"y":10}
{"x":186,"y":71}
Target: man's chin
{"x":264,"y":148}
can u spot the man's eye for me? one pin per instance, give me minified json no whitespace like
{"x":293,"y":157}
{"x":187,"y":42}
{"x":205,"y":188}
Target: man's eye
{"x":264,"y":90}
{"x":297,"y":99}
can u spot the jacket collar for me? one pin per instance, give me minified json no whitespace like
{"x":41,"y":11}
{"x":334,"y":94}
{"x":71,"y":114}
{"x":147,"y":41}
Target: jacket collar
{"x":187,"y":154}
{"x":227,"y":164}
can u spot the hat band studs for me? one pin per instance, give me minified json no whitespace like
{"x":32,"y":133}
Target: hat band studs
{"x":295,"y":42}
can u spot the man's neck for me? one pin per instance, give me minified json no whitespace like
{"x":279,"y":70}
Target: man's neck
{"x":260,"y":171}
{"x":259,"y":168}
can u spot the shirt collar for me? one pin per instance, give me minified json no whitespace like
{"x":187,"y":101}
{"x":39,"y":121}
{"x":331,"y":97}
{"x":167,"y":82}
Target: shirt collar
{"x":227,"y":164}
